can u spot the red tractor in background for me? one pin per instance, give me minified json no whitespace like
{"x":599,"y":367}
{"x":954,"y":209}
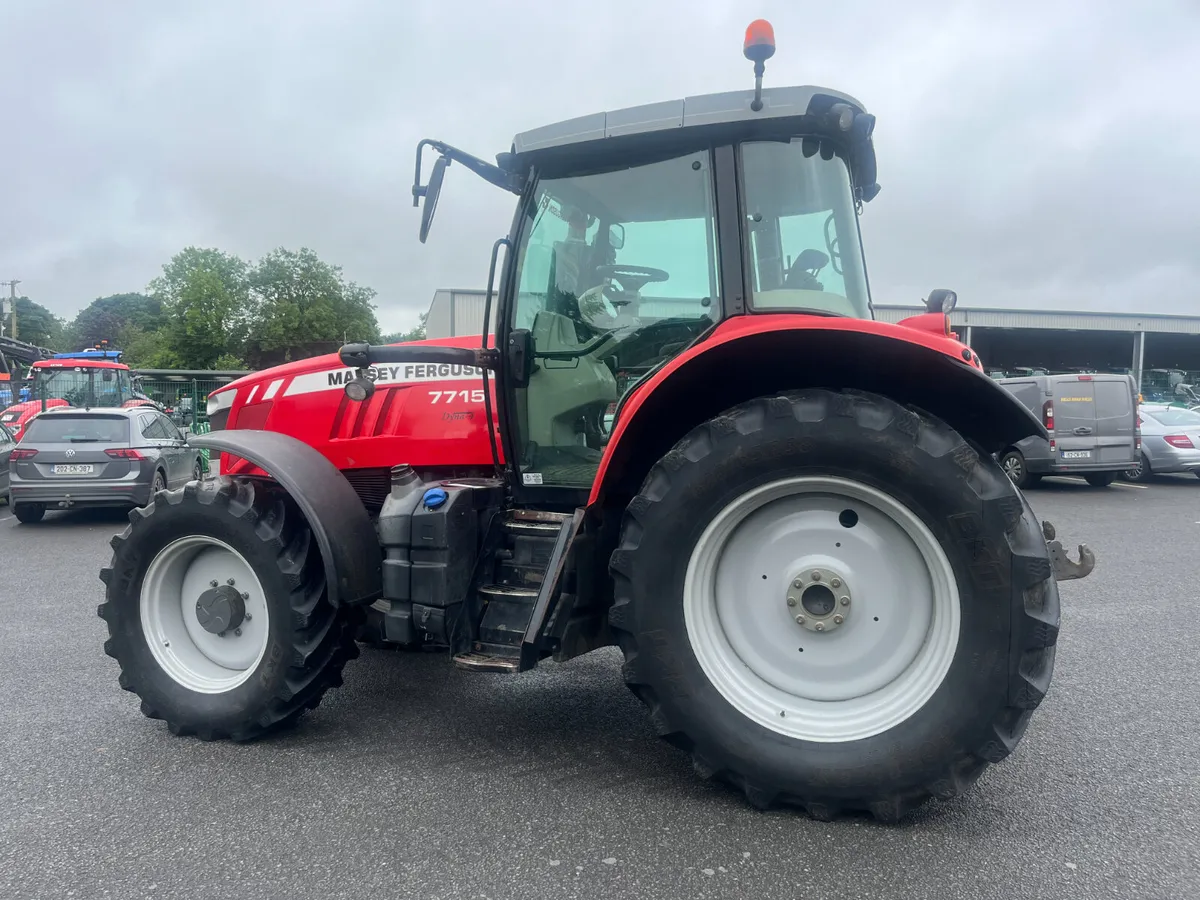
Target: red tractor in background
{"x":86,"y":378}
{"x":824,"y":587}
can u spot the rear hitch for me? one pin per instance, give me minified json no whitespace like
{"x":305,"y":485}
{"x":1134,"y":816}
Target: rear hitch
{"x":1065,"y":568}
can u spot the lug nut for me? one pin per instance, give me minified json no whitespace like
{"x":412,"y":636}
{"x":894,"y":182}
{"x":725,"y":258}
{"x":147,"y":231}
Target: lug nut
{"x":230,"y":581}
{"x":838,"y":620}
{"x":835,"y":582}
{"x":791,"y":601}
{"x":249,"y":617}
{"x":845,"y":601}
{"x":245,"y":595}
{"x":816,"y":576}
{"x":799,"y":620}
{"x":820,"y":626}
{"x":797,"y":583}
{"x":212,"y":584}
{"x":237,"y":632}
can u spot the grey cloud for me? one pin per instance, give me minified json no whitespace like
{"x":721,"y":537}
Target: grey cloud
{"x":1031,"y":154}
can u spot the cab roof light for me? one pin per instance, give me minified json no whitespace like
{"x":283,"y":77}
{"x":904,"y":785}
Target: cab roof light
{"x":758,"y":47}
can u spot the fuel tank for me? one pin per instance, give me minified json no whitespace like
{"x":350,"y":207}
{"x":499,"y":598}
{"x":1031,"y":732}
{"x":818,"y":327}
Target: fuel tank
{"x":426,"y":415}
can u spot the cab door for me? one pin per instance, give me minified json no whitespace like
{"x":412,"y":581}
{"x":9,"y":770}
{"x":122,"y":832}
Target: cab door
{"x":616,"y":273}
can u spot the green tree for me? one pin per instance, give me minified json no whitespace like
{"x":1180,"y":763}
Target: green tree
{"x":146,"y":349}
{"x":413,"y":334}
{"x":105,"y":317}
{"x":36,"y":324}
{"x":304,"y":307}
{"x":205,"y":295}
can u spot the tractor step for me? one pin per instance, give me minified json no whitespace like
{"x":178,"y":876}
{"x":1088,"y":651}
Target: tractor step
{"x":483,"y":661}
{"x":513,"y":589}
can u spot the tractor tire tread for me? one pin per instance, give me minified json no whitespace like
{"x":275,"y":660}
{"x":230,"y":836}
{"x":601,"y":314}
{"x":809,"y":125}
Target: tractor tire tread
{"x":321,"y":637}
{"x":1035,"y":601}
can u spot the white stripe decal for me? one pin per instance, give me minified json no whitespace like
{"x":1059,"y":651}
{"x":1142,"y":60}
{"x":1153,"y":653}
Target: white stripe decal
{"x":273,"y":388}
{"x":253,"y":391}
{"x":400,"y":373}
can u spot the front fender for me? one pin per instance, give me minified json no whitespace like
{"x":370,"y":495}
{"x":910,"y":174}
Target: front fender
{"x":756,"y":355}
{"x":344,"y":532}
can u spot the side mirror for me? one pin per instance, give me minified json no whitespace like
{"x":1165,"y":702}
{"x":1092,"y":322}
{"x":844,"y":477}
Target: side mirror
{"x":940,"y":300}
{"x":616,"y":236}
{"x":431,"y":195}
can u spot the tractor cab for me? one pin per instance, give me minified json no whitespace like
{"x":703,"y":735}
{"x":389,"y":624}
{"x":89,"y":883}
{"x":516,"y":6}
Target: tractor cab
{"x":640,"y":230}
{"x":87,"y":378}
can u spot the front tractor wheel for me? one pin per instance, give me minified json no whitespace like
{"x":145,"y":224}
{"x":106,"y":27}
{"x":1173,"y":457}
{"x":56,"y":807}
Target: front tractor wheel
{"x":860,"y":613}
{"x":218,"y":613}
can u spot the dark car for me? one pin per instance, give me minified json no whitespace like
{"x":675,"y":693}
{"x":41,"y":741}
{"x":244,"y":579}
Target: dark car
{"x":7,"y":444}
{"x":100,"y":457}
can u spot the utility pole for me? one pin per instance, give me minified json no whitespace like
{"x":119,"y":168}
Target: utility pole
{"x":12,"y":303}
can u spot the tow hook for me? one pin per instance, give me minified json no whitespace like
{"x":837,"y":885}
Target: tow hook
{"x":1065,"y":568}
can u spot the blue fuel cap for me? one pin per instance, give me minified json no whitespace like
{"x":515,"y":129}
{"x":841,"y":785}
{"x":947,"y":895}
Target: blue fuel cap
{"x":434,"y":497}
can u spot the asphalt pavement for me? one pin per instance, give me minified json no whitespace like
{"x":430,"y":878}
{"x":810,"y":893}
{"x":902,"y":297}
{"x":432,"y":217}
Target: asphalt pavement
{"x":416,"y":780}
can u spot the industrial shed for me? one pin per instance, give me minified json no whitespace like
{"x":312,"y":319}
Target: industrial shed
{"x":1146,"y":345}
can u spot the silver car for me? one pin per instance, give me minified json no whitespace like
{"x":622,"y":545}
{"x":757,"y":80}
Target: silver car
{"x":99,"y":457}
{"x":1170,"y":441}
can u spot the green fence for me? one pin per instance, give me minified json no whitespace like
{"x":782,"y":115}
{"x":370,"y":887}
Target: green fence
{"x":185,"y":401}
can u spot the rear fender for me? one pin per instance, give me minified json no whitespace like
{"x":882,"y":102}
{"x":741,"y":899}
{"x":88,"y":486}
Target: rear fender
{"x":756,"y":356}
{"x":344,"y":532}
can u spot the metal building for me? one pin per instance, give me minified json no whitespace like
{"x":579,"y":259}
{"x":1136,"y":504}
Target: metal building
{"x":1159,"y":350}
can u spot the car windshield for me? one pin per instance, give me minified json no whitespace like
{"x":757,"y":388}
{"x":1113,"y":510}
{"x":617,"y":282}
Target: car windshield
{"x":803,"y":229}
{"x":56,"y":428}
{"x":1180,"y":417}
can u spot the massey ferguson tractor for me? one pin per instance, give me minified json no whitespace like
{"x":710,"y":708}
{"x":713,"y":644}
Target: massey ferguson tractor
{"x":825,"y":589}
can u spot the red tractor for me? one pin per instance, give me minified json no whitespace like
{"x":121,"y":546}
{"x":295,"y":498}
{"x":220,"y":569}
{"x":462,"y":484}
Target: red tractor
{"x":824,"y":587}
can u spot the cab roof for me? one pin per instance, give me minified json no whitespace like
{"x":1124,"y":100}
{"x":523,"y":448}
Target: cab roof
{"x":77,"y":364}
{"x":727,"y":108}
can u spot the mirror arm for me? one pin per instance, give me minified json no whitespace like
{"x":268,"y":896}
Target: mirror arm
{"x":490,"y":173}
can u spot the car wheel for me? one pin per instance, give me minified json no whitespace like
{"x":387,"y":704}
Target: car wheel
{"x":1141,"y":472}
{"x":160,"y":484}
{"x":29,"y":513}
{"x":198,"y":471}
{"x":1013,"y":463}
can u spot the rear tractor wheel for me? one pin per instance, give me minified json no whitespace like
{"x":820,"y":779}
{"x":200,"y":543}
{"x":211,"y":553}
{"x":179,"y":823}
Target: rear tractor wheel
{"x":218,"y":612}
{"x":858,"y":613}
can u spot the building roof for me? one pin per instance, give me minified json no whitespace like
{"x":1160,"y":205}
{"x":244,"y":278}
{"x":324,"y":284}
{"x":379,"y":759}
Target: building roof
{"x":980,"y":317}
{"x":1053,"y":319}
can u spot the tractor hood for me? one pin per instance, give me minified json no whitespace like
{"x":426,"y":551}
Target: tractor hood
{"x":434,"y":410}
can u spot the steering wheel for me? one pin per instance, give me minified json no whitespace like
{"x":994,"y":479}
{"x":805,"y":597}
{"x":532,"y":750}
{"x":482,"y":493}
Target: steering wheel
{"x":831,"y":244}
{"x":631,"y":279}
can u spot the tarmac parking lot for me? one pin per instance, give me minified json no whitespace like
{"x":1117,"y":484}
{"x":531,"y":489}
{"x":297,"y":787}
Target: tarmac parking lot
{"x":418,"y":780}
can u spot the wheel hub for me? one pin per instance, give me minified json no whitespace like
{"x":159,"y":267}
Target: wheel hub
{"x":220,"y":609}
{"x":819,"y":599}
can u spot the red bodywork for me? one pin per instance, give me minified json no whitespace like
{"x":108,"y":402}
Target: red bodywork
{"x":432,"y":416}
{"x":423,"y":414}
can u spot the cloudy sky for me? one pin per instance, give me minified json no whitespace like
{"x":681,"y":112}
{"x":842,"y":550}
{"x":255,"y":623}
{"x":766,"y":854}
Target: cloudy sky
{"x":1031,"y":154}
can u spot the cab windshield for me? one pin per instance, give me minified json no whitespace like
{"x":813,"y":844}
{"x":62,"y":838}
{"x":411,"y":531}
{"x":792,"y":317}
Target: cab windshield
{"x":803,"y":225}
{"x":83,"y":386}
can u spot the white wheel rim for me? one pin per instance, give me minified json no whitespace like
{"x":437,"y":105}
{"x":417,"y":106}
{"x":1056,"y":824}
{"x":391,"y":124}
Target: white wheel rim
{"x":193,"y":657}
{"x":875,"y":670}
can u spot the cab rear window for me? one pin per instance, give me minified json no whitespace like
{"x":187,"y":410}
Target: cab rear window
{"x":73,"y":429}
